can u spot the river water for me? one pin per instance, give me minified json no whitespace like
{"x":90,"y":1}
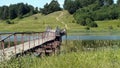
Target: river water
{"x":72,"y":37}
{"x":79,"y":37}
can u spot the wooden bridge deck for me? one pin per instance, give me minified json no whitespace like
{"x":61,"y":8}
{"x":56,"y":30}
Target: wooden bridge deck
{"x":9,"y":52}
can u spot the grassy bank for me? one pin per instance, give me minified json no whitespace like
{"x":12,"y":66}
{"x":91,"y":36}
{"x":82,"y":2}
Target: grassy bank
{"x":98,"y":59}
{"x":39,"y":22}
{"x":75,"y":54}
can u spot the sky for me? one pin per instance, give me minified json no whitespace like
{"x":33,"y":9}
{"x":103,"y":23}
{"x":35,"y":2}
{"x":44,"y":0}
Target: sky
{"x":35,"y":3}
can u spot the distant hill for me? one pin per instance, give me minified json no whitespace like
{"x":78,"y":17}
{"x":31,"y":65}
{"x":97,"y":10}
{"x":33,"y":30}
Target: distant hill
{"x":63,"y":19}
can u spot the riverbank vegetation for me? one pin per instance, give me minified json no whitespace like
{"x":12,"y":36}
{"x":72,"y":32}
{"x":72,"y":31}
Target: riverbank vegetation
{"x":79,"y":54}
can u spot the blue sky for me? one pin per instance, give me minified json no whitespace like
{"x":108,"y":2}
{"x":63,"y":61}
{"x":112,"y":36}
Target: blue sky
{"x":35,"y":3}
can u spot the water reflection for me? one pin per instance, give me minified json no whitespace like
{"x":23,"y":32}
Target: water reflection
{"x":91,"y":37}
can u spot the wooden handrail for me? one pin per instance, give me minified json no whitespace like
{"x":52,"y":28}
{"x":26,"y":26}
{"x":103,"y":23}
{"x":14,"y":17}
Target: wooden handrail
{"x":11,"y":34}
{"x":19,"y":33}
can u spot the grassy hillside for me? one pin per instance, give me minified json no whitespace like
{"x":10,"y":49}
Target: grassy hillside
{"x":60,"y":18}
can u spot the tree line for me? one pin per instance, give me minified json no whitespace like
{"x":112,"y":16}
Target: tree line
{"x":51,"y":7}
{"x":73,"y":5}
{"x":86,"y":12}
{"x":17,"y":10}
{"x":21,"y":10}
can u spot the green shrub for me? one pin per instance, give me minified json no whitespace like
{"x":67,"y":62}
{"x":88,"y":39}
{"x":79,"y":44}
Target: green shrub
{"x":35,"y":18}
{"x":20,"y":17}
{"x":73,"y":21}
{"x":81,"y":22}
{"x":87,"y":28}
{"x":9,"y":22}
{"x":93,"y":24}
{"x":110,"y":27}
{"x":118,"y":25}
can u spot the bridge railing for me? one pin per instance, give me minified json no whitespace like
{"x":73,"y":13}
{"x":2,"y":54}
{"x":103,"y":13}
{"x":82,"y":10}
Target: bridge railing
{"x":8,"y":40}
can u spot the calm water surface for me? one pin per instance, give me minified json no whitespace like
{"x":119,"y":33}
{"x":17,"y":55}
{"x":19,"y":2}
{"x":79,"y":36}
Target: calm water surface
{"x":84,"y":36}
{"x":91,"y":37}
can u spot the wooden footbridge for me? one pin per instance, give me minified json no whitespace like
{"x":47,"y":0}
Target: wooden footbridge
{"x":41,"y":43}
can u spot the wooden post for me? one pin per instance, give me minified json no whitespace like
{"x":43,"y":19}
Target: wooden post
{"x":29,"y":40}
{"x":34,"y":38}
{"x":9,"y":42}
{"x":15,"y":42}
{"x":3,"y":46}
{"x":0,"y":42}
{"x":22,"y":40}
{"x":38,"y":38}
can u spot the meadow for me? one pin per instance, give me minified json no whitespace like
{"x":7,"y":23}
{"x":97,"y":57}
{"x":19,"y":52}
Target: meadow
{"x":63,"y":19}
{"x":74,"y":54}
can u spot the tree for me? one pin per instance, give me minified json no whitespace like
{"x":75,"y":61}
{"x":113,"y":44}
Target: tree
{"x":118,"y":2}
{"x":5,"y":13}
{"x":36,"y":10}
{"x":71,"y":5}
{"x":108,"y":2}
{"x":91,"y":23}
{"x":81,"y":21}
{"x":88,"y":21}
{"x":52,"y":7}
{"x":21,"y":10}
{"x":31,"y":12}
{"x":100,"y":3}
{"x":12,"y":13}
{"x":45,"y":10}
{"x":85,"y":3}
{"x":16,"y":10}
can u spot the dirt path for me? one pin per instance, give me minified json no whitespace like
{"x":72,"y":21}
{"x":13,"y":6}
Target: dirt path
{"x":57,"y":18}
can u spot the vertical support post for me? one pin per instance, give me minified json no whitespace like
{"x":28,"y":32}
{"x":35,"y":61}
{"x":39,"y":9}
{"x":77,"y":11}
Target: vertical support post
{"x":9,"y":42}
{"x":46,"y":35}
{"x":3,"y":46}
{"x":34,"y":38}
{"x":29,"y":40}
{"x":42,"y":37}
{"x":52,"y":34}
{"x":38,"y":38}
{"x":22,"y":40}
{"x":0,"y":37}
{"x":0,"y":42}
{"x":15,"y":42}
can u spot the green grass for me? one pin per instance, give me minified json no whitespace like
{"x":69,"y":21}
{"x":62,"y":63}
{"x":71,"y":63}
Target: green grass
{"x":98,"y":59}
{"x":107,"y":56}
{"x":42,"y":21}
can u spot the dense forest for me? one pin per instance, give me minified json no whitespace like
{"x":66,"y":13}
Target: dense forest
{"x":86,"y":12}
{"x":17,"y":10}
